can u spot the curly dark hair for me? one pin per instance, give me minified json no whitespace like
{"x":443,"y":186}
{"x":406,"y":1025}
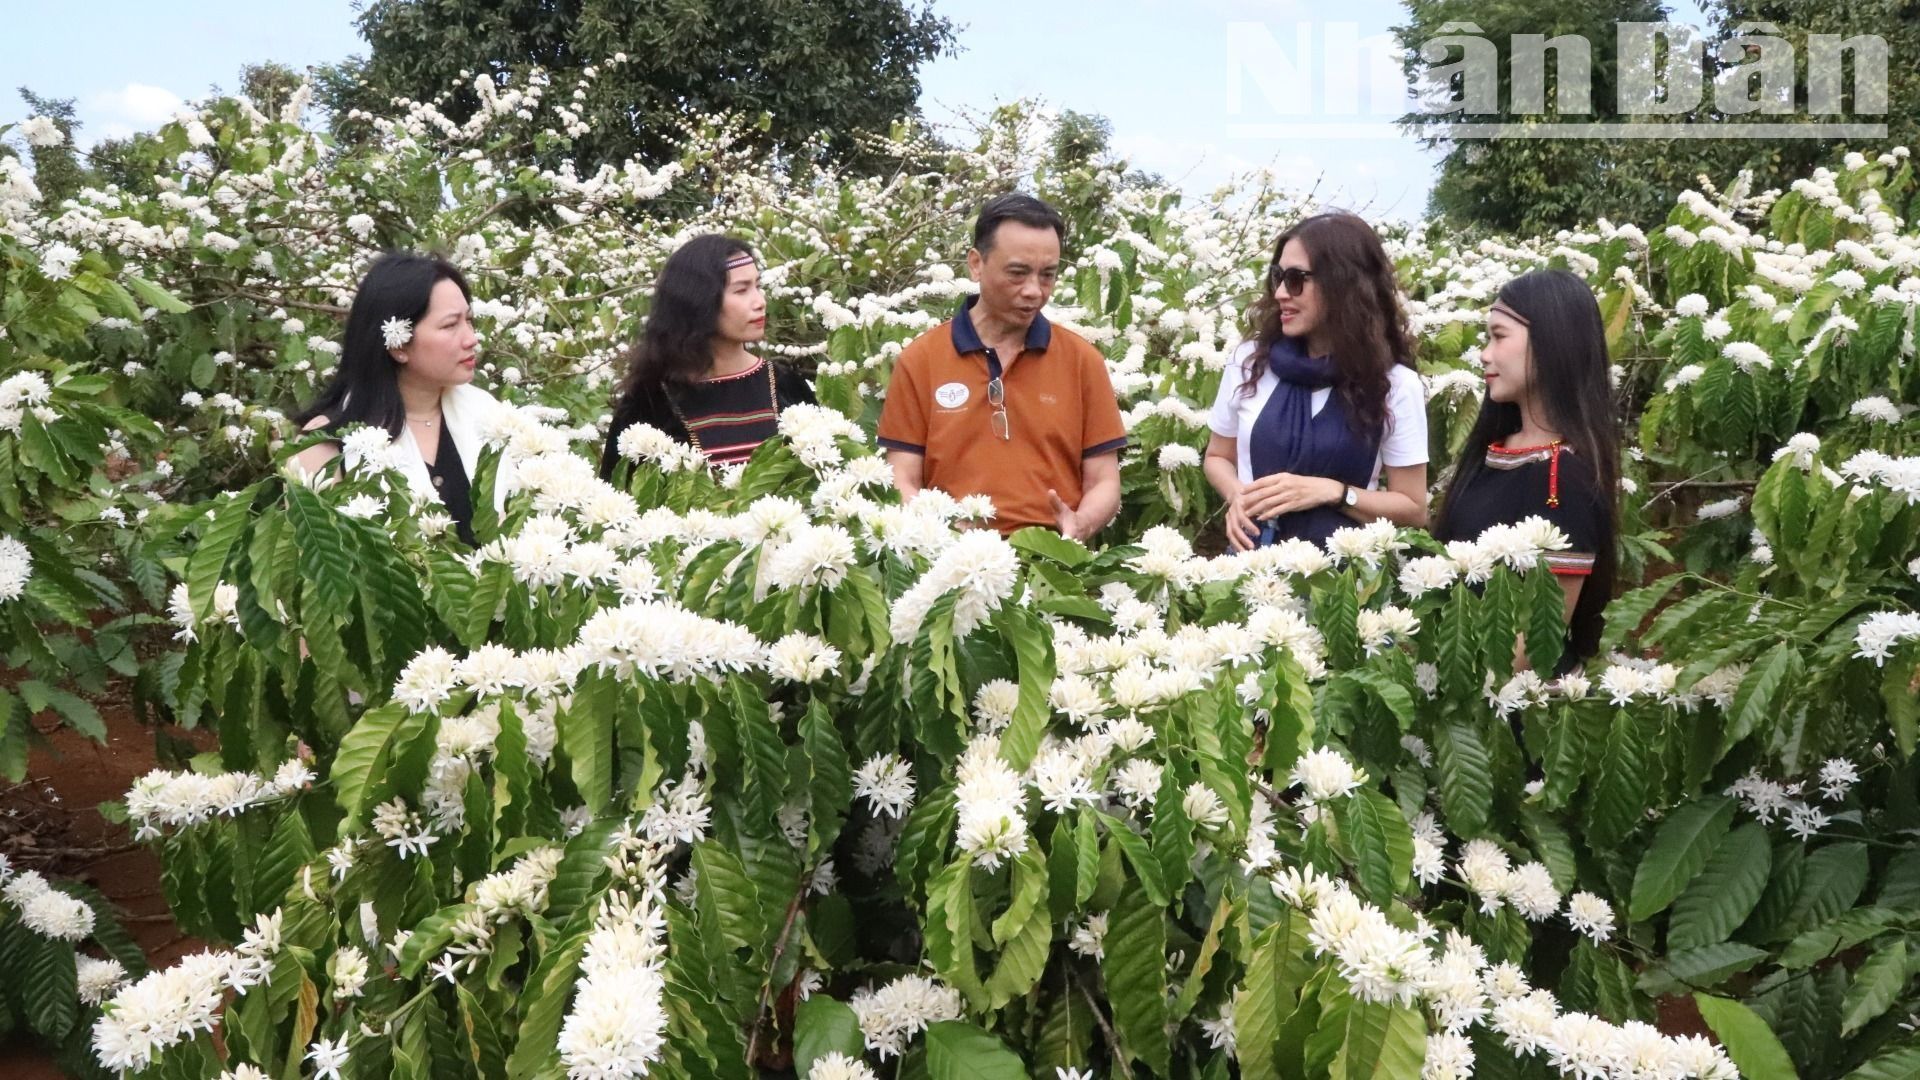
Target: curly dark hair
{"x":676,"y":345}
{"x":1366,"y":326}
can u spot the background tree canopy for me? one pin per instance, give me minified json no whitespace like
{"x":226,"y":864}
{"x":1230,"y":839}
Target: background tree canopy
{"x":839,"y":66}
{"x":1542,"y":185}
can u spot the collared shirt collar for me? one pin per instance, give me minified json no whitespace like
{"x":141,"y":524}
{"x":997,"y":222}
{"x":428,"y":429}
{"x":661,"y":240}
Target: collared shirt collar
{"x":966,"y":339}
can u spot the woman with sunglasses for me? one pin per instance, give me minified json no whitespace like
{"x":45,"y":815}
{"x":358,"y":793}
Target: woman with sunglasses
{"x":692,"y":375}
{"x":1546,"y":442}
{"x":1323,"y":399}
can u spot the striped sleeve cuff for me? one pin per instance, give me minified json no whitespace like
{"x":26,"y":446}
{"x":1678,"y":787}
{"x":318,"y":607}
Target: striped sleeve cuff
{"x":1570,"y":563}
{"x":896,"y":444}
{"x":1107,"y":447}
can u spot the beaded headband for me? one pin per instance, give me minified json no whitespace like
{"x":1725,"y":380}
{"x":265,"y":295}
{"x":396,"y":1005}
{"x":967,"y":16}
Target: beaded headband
{"x":740,"y":260}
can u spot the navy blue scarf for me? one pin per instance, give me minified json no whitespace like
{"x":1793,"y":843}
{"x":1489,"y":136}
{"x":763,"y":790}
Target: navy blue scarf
{"x":1289,"y":437}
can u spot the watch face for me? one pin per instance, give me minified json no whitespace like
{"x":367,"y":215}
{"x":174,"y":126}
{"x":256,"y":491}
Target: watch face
{"x":1352,"y":497}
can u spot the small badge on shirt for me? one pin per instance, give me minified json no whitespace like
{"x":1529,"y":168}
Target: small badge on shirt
{"x":952,"y":395}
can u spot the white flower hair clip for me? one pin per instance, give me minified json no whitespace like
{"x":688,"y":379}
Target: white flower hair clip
{"x":397,"y":332}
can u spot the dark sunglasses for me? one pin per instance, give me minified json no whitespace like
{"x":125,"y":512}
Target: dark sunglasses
{"x":1292,"y":278}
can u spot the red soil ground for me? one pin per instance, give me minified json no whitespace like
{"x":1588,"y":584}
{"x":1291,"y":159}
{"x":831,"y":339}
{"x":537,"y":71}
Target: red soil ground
{"x":49,"y":823}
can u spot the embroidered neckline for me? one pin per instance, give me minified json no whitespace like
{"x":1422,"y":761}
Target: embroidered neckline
{"x":738,"y":374}
{"x":1504,"y":458}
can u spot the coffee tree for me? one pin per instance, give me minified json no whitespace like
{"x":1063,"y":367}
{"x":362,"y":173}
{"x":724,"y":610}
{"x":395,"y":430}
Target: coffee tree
{"x":703,"y":771}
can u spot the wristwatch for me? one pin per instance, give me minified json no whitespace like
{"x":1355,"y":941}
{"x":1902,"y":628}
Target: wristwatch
{"x":1349,"y":495}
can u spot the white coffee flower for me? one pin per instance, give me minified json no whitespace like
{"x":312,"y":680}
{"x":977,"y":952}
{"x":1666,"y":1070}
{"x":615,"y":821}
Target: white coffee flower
{"x":1426,"y":574}
{"x":994,"y":702}
{"x":1837,"y":776}
{"x":1590,"y":915}
{"x":886,"y":782}
{"x":1722,"y":508}
{"x":1531,"y":891}
{"x":1449,"y":1057}
{"x":800,"y":657}
{"x":1876,"y":409}
{"x":42,"y":131}
{"x":1746,"y":355}
{"x":1174,"y":456}
{"x":1325,"y":774}
{"x":1203,"y":806}
{"x":57,"y":261}
{"x":897,"y":1012}
{"x":347,"y":972}
{"x":1876,"y":637}
{"x":1088,"y":938}
{"x":396,"y":332}
{"x":16,"y":568}
{"x":838,"y":1066}
{"x":428,"y":680}
{"x":97,"y":979}
{"x":991,"y":803}
{"x":1137,"y":782}
{"x":1062,"y":776}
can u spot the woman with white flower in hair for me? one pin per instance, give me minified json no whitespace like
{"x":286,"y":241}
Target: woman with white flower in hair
{"x":407,"y":368}
{"x":692,"y":376}
{"x":1547,"y":441}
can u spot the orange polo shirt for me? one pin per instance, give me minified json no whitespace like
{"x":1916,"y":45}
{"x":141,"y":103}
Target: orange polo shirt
{"x":1060,"y":411}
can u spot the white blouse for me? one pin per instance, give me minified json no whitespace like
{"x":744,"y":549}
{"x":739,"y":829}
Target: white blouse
{"x":1405,"y":440}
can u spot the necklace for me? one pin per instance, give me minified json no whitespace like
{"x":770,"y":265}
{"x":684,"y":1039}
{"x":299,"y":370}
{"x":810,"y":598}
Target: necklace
{"x":429,"y":421}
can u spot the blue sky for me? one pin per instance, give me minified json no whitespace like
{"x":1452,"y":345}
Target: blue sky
{"x":1181,"y":80}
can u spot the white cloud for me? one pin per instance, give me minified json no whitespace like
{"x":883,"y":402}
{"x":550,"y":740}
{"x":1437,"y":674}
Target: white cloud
{"x":1268,"y":10}
{"x":115,"y":114}
{"x":1190,"y":163}
{"x":1378,"y":179}
{"x":1317,"y":72}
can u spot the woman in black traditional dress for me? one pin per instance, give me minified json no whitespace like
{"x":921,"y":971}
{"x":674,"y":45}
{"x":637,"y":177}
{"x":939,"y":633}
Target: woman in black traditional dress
{"x":1547,"y":442}
{"x":692,"y":375}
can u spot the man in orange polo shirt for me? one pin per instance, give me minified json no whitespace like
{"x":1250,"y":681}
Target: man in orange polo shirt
{"x":1000,"y":402}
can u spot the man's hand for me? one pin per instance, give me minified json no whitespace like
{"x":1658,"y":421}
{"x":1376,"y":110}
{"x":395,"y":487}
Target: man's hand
{"x":1066,"y":519}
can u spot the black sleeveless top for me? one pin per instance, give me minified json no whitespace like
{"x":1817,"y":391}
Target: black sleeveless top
{"x":450,"y":482}
{"x":1537,"y":481}
{"x":1534,"y":481}
{"x":726,"y":418}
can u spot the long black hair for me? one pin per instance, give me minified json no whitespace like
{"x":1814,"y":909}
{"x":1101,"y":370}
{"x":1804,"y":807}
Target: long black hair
{"x":677,"y":344}
{"x":1567,"y":351}
{"x":366,"y":386}
{"x":1360,"y":303}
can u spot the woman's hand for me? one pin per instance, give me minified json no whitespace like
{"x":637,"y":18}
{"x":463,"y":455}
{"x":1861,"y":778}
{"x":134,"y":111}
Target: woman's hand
{"x":1242,"y":531}
{"x":1284,"y":493}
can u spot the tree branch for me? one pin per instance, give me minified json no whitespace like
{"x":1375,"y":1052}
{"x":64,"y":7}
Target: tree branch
{"x":1696,"y":481}
{"x":1278,"y":800}
{"x":1113,"y":1040}
{"x":334,"y":310}
{"x":773,"y":964}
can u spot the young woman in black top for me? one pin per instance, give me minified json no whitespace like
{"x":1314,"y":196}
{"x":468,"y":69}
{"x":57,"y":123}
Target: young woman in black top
{"x":1546,"y":443}
{"x":692,"y":375}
